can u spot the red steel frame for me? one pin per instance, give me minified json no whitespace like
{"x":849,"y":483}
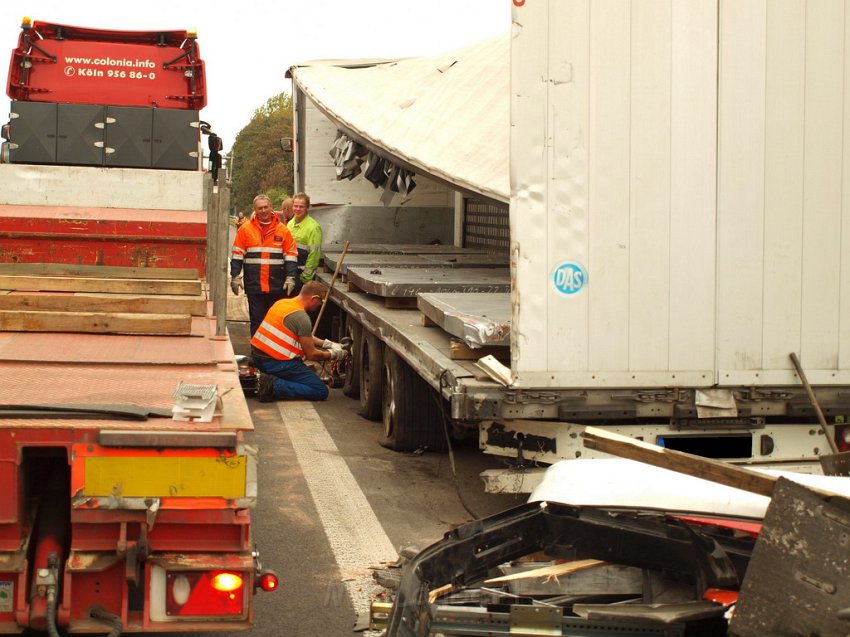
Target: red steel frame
{"x":196,"y":533}
{"x":103,"y":236}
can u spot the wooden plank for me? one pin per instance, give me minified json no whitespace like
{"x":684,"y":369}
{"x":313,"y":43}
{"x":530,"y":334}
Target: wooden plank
{"x":96,"y":322}
{"x":121,"y":286}
{"x":427,"y":322}
{"x":705,"y":468}
{"x":548,"y":571}
{"x":98,"y":271}
{"x":160,"y":304}
{"x":435,"y":594}
{"x":463,"y":352}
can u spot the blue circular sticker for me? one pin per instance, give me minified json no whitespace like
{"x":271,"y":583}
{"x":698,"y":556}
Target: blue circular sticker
{"x":569,"y":277}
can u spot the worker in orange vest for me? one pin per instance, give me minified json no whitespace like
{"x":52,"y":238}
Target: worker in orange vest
{"x":267,"y":254}
{"x":282,"y":342}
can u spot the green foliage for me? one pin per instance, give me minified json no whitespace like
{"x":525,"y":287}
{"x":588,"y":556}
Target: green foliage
{"x":259,"y":163}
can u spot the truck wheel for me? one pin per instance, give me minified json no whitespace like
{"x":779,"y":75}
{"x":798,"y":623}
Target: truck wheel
{"x":351,"y":385}
{"x":370,"y":375}
{"x":411,"y":417}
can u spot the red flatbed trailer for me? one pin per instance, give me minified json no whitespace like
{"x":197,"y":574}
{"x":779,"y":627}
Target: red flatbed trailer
{"x":125,"y":503}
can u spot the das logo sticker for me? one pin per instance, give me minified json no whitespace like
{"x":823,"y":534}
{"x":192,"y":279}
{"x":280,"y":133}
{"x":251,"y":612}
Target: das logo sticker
{"x":569,"y":277}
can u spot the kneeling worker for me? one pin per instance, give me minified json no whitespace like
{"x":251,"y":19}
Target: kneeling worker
{"x":282,"y":342}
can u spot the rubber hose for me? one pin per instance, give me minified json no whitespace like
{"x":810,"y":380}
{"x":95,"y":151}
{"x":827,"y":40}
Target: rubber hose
{"x":117,"y":626}
{"x":51,"y":612}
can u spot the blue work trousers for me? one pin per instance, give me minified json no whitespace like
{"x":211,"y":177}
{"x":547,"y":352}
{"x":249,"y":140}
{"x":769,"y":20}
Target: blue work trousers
{"x":293,"y":379}
{"x":258,"y":306}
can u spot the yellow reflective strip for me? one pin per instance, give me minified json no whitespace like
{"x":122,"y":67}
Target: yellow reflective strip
{"x":166,"y":477}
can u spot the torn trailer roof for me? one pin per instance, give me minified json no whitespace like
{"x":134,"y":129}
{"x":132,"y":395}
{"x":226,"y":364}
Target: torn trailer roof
{"x":444,"y":116}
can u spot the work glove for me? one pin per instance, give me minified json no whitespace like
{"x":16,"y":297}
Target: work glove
{"x":236,"y":284}
{"x":289,"y":285}
{"x":329,"y":344}
{"x":339,"y":354}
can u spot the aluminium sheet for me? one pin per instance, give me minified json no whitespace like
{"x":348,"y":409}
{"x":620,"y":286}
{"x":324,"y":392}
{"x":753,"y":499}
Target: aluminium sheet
{"x":331,"y":260}
{"x":401,"y":248}
{"x":408,"y":282}
{"x":469,"y":260}
{"x":482,"y":319}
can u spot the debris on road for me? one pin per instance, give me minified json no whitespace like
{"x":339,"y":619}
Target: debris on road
{"x":731,"y":552}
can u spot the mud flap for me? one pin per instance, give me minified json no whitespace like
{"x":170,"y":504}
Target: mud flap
{"x":796,"y":582}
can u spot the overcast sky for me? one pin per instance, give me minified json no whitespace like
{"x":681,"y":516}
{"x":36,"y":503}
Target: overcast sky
{"x":248,"y":45}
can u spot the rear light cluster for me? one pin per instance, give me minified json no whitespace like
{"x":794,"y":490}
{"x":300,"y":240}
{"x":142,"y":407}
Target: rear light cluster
{"x":204,"y":593}
{"x":842,"y":437}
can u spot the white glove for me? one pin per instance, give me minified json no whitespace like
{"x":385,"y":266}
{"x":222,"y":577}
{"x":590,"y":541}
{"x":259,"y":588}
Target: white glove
{"x":236,"y":284}
{"x":339,"y":354}
{"x":329,"y":344}
{"x":289,"y":285}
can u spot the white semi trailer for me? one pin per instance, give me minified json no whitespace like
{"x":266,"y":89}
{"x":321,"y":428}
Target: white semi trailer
{"x":678,"y":215}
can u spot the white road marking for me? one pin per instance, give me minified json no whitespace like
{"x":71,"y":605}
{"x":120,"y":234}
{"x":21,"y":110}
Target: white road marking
{"x":357,"y":539}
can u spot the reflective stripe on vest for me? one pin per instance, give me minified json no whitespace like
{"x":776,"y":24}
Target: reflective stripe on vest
{"x":273,"y":337}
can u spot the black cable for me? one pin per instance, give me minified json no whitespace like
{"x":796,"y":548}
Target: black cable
{"x":52,"y":631}
{"x":117,"y":626}
{"x":438,"y":397}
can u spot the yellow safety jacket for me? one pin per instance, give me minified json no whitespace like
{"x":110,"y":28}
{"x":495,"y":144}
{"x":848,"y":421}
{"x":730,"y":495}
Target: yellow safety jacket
{"x":308,"y":238}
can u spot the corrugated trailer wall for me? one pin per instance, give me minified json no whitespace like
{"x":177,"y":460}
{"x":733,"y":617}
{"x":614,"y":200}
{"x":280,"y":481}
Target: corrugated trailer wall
{"x":677,"y":177}
{"x":783,"y":190}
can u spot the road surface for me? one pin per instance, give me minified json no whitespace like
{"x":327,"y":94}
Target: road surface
{"x":333,"y":505}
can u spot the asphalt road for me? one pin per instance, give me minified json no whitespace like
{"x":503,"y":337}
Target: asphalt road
{"x":333,"y":503}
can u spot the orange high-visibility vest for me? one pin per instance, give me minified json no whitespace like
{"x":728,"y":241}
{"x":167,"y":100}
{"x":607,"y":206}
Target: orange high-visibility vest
{"x":273,"y":337}
{"x":269,"y":255}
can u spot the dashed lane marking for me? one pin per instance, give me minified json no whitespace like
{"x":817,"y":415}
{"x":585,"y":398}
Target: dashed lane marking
{"x":357,"y":539}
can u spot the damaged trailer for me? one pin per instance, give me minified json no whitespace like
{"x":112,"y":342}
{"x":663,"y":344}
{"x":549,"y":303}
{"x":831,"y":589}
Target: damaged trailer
{"x":669,"y":221}
{"x":613,"y":546}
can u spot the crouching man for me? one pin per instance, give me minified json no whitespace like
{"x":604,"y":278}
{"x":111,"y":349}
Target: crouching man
{"x":282,"y":342}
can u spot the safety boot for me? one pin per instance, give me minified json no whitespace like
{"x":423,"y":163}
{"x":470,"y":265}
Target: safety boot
{"x":265,"y":388}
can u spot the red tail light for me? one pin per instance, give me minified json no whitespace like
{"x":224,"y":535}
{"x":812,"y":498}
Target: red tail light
{"x":205,"y":593}
{"x":268,"y":581}
{"x":842,"y":437}
{"x":227,"y":582}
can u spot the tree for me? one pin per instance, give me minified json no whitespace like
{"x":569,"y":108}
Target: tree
{"x":259,"y":163}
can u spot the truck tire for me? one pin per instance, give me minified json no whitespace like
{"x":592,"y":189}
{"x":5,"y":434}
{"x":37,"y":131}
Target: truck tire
{"x":411,"y":416}
{"x":351,"y":384}
{"x":370,"y":375}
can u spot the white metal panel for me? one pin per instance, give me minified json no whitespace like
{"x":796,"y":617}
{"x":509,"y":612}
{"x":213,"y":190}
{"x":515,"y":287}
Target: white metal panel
{"x":649,"y":298}
{"x":529,"y":176}
{"x":781,"y":185}
{"x":565,"y":234}
{"x":693,"y":169}
{"x":740,"y":250}
{"x":844,"y":273}
{"x":609,"y":177}
{"x":86,"y":186}
{"x":784,"y":140}
{"x":623,"y":119}
{"x":822,"y":190}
